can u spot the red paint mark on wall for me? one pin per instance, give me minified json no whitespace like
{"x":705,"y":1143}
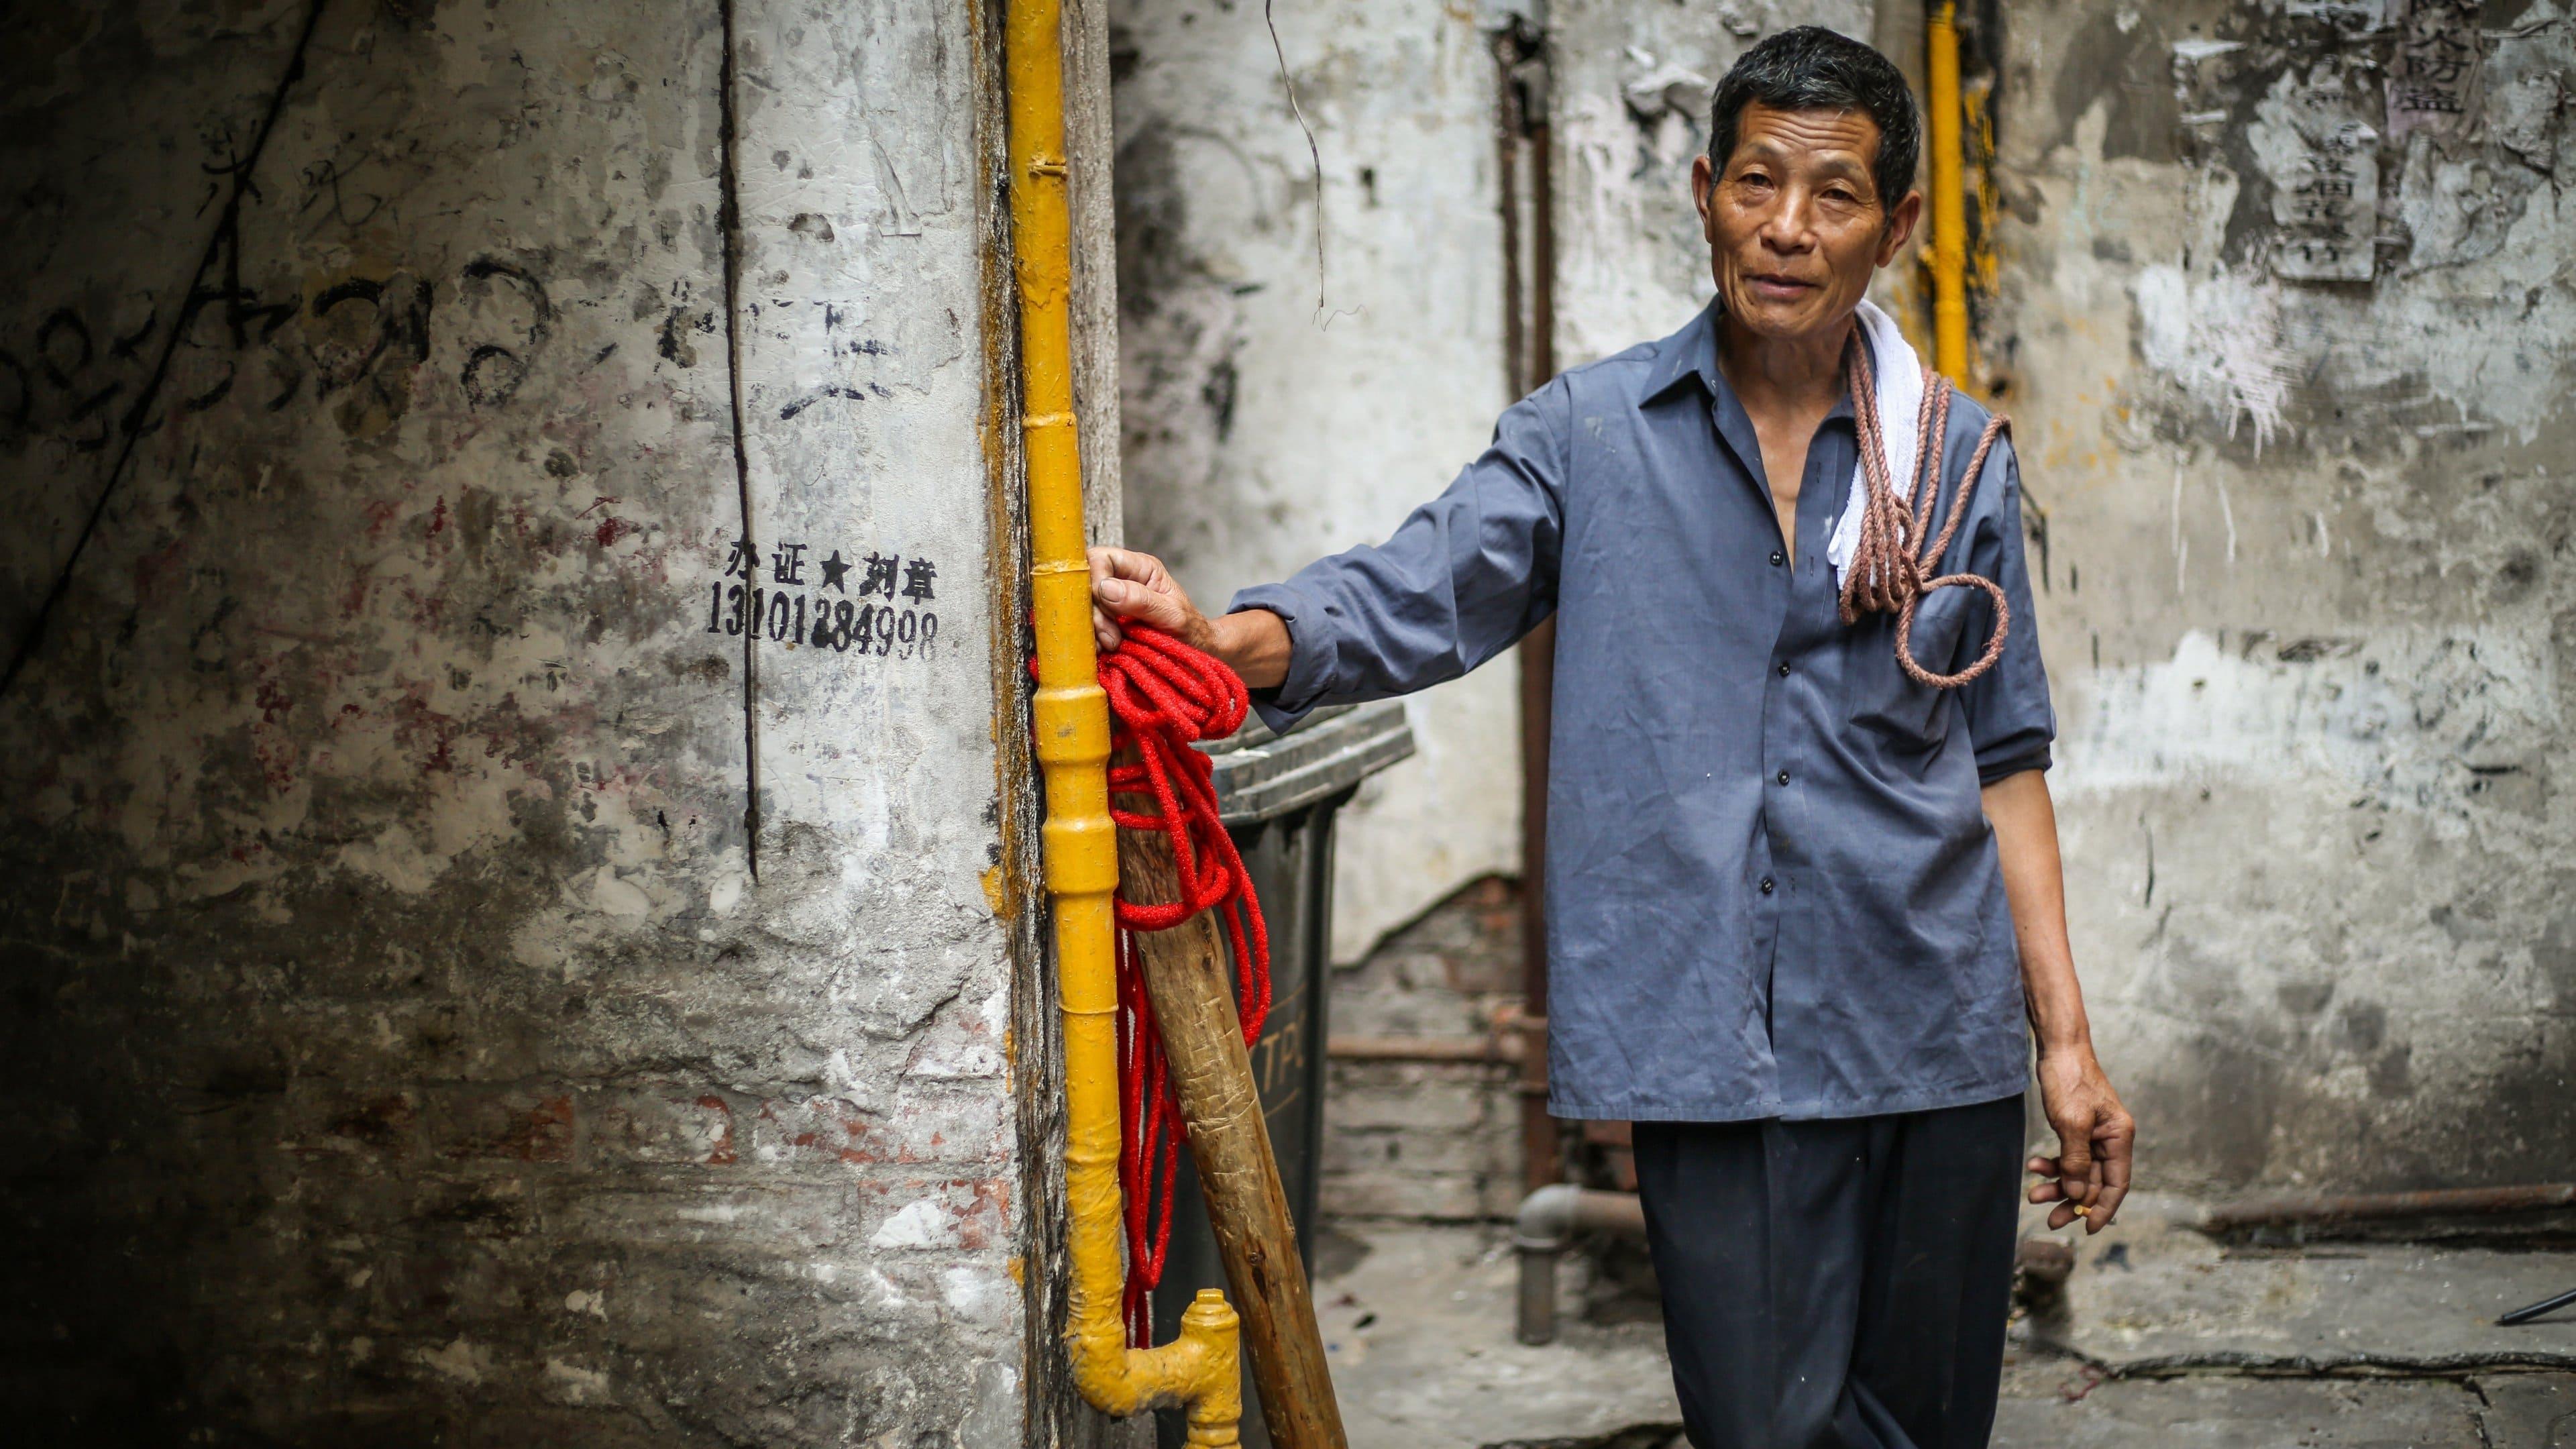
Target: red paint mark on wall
{"x":545,"y":1133}
{"x":427,"y":612}
{"x":722,"y":1155}
{"x":961,"y":1128}
{"x":426,"y":731}
{"x":980,"y":1224}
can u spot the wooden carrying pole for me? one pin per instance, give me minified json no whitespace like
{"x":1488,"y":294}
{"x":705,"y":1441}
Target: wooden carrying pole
{"x":1189,"y":980}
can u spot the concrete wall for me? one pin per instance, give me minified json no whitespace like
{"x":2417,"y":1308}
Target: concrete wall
{"x":2278,"y":296}
{"x":1265,"y":424}
{"x":1632,"y":86}
{"x":420,"y":1020}
{"x":2291,"y":452}
{"x":2287,"y":345}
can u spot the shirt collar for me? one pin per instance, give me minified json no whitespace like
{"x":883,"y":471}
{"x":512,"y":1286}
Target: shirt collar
{"x":1691,"y":353}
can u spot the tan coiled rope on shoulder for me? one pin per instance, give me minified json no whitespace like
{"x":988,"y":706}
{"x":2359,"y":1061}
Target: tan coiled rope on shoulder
{"x":1886,"y":573}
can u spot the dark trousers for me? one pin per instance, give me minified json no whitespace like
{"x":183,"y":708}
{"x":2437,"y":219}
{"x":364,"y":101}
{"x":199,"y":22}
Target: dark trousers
{"x":1836,"y":1285}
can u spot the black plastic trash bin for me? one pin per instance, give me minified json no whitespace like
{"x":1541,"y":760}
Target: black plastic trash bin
{"x":1279,"y":795}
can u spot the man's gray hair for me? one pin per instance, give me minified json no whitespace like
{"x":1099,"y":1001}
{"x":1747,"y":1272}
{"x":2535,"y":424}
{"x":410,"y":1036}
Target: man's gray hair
{"x":1810,"y":68}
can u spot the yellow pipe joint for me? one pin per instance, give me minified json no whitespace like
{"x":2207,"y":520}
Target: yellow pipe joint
{"x":1200,"y":1370}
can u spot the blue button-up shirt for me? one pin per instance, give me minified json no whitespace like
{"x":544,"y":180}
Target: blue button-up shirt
{"x":1771,"y":887}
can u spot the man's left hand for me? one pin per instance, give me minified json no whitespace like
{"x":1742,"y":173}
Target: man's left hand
{"x":2090,"y":1173}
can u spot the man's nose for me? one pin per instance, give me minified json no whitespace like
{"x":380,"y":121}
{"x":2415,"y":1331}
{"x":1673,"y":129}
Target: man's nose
{"x":1787,"y":229}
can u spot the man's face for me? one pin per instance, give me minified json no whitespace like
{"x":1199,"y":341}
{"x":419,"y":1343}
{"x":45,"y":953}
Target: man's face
{"x":1795,"y":224}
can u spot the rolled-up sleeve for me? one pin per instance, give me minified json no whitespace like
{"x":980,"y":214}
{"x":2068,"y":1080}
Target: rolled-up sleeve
{"x":1460,"y":580}
{"x":2007,"y":712}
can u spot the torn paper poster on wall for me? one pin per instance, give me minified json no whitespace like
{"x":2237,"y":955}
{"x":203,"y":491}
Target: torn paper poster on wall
{"x":2322,"y":158}
{"x":2433,"y":76}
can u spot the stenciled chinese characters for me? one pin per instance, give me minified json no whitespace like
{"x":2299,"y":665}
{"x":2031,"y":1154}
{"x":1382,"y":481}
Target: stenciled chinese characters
{"x":876,"y":604}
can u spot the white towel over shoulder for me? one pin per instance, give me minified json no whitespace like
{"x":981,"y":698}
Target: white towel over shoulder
{"x":1899,"y":374}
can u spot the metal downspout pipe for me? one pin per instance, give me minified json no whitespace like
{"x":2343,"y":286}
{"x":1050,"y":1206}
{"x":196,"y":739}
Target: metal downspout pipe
{"x":1200,"y":1370}
{"x":1549,"y":1219}
{"x":1949,"y":193}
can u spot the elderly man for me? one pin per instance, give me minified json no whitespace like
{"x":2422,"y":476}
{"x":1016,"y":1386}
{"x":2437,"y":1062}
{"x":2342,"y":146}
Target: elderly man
{"x":1802,"y":868}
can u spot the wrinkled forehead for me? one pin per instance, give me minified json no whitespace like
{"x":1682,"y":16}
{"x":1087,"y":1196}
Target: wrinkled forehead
{"x":1822,"y":139}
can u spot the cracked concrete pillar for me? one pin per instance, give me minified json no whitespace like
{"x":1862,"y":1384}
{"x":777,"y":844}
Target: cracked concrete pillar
{"x":517,"y":899}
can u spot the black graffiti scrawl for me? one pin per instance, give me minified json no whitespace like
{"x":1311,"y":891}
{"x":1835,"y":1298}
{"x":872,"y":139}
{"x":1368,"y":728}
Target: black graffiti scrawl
{"x":217,"y":280}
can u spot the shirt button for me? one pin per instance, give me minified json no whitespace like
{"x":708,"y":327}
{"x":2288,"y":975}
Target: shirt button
{"x":1784,"y":669}
{"x":1778,"y":558}
{"x":1766,"y":885}
{"x":1784,"y":777}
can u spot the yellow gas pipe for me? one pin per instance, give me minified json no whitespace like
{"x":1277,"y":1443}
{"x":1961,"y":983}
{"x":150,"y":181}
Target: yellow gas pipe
{"x":1201,"y":1369}
{"x":1949,"y":196}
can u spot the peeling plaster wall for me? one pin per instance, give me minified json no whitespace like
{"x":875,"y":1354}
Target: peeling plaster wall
{"x":2307,"y":602}
{"x":2298,"y":520}
{"x":410,"y":1037}
{"x":1263,"y":430}
{"x":2281,"y":309}
{"x":1632,"y":92}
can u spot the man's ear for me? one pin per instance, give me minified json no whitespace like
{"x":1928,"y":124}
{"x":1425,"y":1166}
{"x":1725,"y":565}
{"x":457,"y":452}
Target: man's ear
{"x":1703,"y":185}
{"x":1902,"y":218}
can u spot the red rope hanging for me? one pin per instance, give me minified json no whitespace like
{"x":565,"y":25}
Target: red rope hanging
{"x":1165,"y":696}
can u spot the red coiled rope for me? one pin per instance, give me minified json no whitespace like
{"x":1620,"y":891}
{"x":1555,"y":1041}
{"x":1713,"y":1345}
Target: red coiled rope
{"x":1165,"y":696}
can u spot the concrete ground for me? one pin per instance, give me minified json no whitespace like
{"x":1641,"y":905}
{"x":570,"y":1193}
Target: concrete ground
{"x":2163,"y":1340}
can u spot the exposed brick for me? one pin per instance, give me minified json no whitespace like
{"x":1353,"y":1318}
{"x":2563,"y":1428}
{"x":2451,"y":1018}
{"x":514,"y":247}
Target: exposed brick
{"x":1417,"y":1098}
{"x":1428,"y":1140}
{"x":1400,"y":1150}
{"x":1439,"y":1197}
